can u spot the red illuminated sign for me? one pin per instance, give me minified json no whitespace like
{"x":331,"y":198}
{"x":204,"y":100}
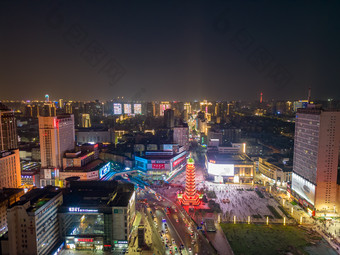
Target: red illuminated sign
{"x":176,"y":162}
{"x":87,"y":240}
{"x":158,"y":166}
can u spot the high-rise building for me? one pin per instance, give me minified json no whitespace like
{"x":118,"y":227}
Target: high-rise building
{"x":85,"y":120}
{"x":187,"y":107}
{"x":181,"y":136}
{"x":150,"y":109}
{"x":169,"y":118}
{"x":163,"y":106}
{"x":8,"y":129}
{"x":49,"y":110}
{"x":61,"y":103}
{"x":68,"y":108}
{"x":7,"y":198}
{"x":10,"y":171}
{"x":33,"y":225}
{"x":56,"y":137}
{"x":316,"y":179}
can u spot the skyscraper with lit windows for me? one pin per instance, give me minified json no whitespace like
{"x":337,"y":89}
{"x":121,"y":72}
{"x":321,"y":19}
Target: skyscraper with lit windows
{"x":316,"y":177}
{"x":56,"y":136}
{"x":8,"y":129}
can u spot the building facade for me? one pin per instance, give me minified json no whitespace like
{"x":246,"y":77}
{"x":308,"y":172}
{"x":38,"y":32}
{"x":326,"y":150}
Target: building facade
{"x":97,"y":215}
{"x":56,"y":137}
{"x":8,"y":129}
{"x":315,"y":179}
{"x":275,"y":172}
{"x":7,"y":198}
{"x":181,"y":136}
{"x":10,"y":170}
{"x":33,"y":225}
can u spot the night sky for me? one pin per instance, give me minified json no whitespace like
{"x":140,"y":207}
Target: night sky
{"x":169,"y":50}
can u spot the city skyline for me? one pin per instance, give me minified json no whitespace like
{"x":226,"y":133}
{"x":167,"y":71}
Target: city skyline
{"x":169,"y":127}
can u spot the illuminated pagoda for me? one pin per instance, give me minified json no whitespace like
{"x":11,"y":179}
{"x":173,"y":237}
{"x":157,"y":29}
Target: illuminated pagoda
{"x":190,"y":196}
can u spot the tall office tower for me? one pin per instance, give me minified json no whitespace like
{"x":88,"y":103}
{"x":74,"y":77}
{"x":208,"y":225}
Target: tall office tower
{"x":181,"y":136}
{"x":8,"y":129}
{"x":10,"y":170}
{"x":49,"y":110}
{"x":61,"y":103}
{"x":85,"y":120}
{"x":169,"y":118}
{"x":163,"y":106}
{"x":56,"y":137}
{"x":8,"y":196}
{"x":33,"y":225}
{"x":187,"y":107}
{"x":68,"y":107}
{"x":190,"y":196}
{"x":28,"y":111}
{"x":47,"y":98}
{"x":316,"y":179}
{"x":150,"y":109}
{"x":95,"y":109}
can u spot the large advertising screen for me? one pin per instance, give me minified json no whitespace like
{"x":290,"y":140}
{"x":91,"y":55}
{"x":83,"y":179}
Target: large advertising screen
{"x":117,"y":108}
{"x":303,"y":188}
{"x":221,"y":169}
{"x":137,"y":109}
{"x":104,"y":170}
{"x":127,"y":109}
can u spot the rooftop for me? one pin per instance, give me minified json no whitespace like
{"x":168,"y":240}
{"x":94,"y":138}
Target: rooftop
{"x":93,"y":165}
{"x":38,"y":197}
{"x":220,"y":158}
{"x":98,"y":194}
{"x":6,"y":193}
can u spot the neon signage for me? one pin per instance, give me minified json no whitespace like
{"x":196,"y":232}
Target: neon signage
{"x":87,"y":240}
{"x":77,"y":209}
{"x":158,"y":166}
{"x":176,"y":162}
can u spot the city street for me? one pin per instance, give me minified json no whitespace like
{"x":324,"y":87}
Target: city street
{"x":180,"y":228}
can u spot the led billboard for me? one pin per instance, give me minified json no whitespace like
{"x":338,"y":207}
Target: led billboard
{"x":137,"y":109}
{"x":104,"y":170}
{"x":303,"y":188}
{"x":127,"y":109}
{"x":117,"y":108}
{"x":221,"y":169}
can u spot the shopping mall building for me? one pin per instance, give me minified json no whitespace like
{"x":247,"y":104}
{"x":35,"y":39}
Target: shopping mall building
{"x":97,"y":215}
{"x":159,"y":165}
{"x":229,"y":167}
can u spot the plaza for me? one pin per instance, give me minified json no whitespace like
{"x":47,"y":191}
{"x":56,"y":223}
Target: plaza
{"x":244,"y":204}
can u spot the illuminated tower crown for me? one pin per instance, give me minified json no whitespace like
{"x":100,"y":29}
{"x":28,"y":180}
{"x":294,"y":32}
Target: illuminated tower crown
{"x":190,"y":196}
